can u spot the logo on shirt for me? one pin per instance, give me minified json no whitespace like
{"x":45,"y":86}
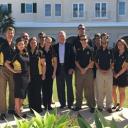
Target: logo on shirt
{"x":88,"y":52}
{"x":122,"y":57}
{"x":109,"y":52}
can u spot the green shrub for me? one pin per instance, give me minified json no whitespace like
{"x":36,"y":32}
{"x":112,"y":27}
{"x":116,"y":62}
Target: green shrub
{"x":100,"y":121}
{"x":53,"y":120}
{"x":49,"y":120}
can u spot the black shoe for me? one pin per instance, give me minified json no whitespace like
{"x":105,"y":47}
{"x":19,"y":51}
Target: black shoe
{"x":2,"y":116}
{"x":100,"y":109}
{"x":70,"y":107}
{"x":17,"y":115}
{"x":11,"y":112}
{"x":24,"y":115}
{"x":50,"y":108}
{"x":62,"y":106}
{"x":92,"y":110}
{"x":109,"y":110}
{"x":76,"y":108}
{"x":39,"y":110}
{"x":20,"y":115}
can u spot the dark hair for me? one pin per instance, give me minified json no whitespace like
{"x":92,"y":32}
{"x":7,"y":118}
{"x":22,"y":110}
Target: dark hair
{"x":19,"y":39}
{"x":123,"y":42}
{"x":84,"y":35}
{"x":81,"y":25}
{"x":105,"y":34}
{"x":97,"y":35}
{"x":32,"y":38}
{"x":41,"y":34}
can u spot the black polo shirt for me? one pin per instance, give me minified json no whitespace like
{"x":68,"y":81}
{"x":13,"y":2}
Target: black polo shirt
{"x":104,"y":58}
{"x":21,"y":62}
{"x":49,"y":55}
{"x":83,"y":56}
{"x":7,"y":51}
{"x":34,"y":61}
{"x":119,"y":60}
{"x":2,"y":41}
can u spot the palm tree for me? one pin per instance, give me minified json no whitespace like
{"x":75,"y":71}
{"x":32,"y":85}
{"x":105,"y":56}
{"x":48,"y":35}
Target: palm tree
{"x":5,"y":19}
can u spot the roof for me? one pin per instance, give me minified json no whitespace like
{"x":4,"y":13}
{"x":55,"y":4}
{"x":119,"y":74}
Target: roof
{"x":58,"y":24}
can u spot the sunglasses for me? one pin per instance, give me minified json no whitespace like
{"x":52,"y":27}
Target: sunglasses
{"x":42,"y":37}
{"x":81,"y":28}
{"x":83,"y":39}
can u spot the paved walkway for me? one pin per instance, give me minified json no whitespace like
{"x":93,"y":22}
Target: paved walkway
{"x":120,"y":117}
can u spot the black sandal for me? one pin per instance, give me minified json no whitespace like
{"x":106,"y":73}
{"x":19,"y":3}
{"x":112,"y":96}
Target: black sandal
{"x":119,"y":108}
{"x":115,"y":106}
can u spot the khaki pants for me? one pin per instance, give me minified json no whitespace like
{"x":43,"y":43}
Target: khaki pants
{"x":84,"y":83}
{"x":95,"y":88}
{"x":104,"y":88}
{"x":6,"y":77}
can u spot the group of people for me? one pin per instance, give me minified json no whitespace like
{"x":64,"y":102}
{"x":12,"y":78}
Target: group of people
{"x":30,"y":65}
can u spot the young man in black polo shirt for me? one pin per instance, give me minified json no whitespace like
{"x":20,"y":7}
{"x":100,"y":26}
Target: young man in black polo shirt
{"x":84,"y":75}
{"x":6,"y":75}
{"x":104,"y":75}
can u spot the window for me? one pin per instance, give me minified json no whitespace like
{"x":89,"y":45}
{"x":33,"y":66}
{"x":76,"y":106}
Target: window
{"x":78,"y":10}
{"x":121,"y":8}
{"x":57,"y":9}
{"x":100,"y":10}
{"x":6,"y":7}
{"x":47,"y":9}
{"x":28,"y":8}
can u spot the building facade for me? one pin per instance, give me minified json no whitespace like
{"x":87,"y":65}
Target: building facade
{"x":51,"y":16}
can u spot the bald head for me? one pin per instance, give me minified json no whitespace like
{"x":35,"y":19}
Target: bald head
{"x":61,"y":37}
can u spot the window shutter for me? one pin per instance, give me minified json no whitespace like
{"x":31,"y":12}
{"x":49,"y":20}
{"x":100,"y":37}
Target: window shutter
{"x":22,"y":7}
{"x":34,"y":8}
{"x":9,"y":8}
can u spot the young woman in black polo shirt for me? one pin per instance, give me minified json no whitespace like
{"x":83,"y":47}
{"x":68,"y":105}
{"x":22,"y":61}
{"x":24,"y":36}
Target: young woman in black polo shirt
{"x":37,"y":74}
{"x":20,"y":67}
{"x":120,"y":73}
{"x":51,"y":65}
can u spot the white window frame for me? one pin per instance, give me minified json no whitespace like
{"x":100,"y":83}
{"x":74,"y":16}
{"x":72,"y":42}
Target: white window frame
{"x":45,"y":10}
{"x":100,"y":16}
{"x":124,"y":8}
{"x":59,"y":10}
{"x":78,"y":11}
{"x":26,"y":11}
